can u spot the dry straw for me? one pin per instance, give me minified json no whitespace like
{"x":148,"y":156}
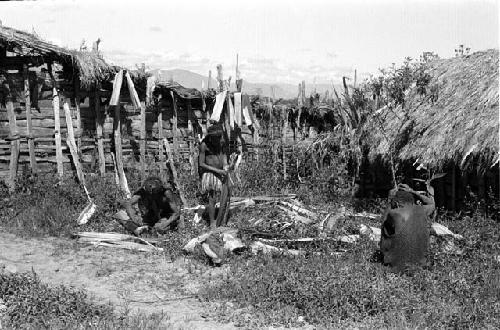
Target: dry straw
{"x":90,"y":65}
{"x":460,"y":121}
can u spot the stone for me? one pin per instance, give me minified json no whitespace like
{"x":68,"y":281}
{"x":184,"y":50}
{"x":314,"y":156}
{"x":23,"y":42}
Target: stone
{"x":440,"y":230}
{"x":373,"y":233}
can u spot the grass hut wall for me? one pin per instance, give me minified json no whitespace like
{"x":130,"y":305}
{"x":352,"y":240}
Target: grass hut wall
{"x":454,"y":127}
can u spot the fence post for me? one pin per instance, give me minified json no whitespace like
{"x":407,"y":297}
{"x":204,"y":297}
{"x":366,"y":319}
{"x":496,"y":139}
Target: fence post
{"x":174,"y":123}
{"x":57,"y":123}
{"x":31,"y":142}
{"x":99,"y":130}
{"x":14,"y":143}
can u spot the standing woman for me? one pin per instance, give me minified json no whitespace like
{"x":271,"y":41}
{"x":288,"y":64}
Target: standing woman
{"x":213,"y":170}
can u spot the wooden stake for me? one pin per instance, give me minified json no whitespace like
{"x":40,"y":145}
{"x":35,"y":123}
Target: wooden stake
{"x":57,"y":124}
{"x":14,"y":143}
{"x":161,"y":154}
{"x":78,"y":114}
{"x":220,"y":77}
{"x":283,"y":140}
{"x":174,"y":171}
{"x":174,"y":123}
{"x":70,"y":141}
{"x":209,"y":79}
{"x":31,"y":142}
{"x":142,"y":142}
{"x":118,"y":147}
{"x":99,"y":129}
{"x":191,"y":141}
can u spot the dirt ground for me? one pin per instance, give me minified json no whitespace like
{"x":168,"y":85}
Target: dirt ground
{"x":129,"y":280}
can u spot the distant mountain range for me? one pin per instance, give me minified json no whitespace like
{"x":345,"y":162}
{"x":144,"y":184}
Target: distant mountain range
{"x":193,"y":80}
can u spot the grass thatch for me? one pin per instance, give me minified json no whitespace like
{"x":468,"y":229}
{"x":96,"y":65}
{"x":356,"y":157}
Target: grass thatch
{"x":181,"y":91}
{"x":91,"y":66}
{"x":463,"y":121}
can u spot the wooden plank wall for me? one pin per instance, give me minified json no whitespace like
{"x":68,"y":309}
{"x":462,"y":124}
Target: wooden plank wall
{"x":43,"y":131}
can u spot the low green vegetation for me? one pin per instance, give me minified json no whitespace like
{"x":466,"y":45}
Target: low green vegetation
{"x":351,"y":290}
{"x":31,"y":304}
{"x":323,"y":288}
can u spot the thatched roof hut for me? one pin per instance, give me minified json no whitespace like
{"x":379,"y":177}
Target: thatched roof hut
{"x":458,"y":121}
{"x":31,"y":49}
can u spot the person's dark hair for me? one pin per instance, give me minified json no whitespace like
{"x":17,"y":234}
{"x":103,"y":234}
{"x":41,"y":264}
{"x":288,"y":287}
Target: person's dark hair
{"x":402,"y":198}
{"x":153,"y":185}
{"x":212,"y":140}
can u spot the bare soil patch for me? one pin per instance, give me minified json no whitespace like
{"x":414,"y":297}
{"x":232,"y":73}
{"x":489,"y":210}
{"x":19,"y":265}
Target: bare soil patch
{"x":131,"y":281}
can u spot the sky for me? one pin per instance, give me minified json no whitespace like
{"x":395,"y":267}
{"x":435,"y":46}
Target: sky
{"x":277,"y":41}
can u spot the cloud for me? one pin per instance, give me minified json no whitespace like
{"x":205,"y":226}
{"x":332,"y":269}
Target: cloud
{"x":160,"y":60}
{"x":253,"y":69}
{"x":155,"y":28}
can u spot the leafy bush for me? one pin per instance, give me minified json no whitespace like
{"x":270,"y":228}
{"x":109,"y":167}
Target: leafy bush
{"x":34,"y":305}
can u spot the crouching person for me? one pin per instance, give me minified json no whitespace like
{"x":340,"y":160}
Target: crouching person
{"x":159,"y":208}
{"x":405,"y":228}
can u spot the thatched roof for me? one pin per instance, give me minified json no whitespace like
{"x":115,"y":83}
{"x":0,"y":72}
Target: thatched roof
{"x":462,"y":124}
{"x":91,"y":66}
{"x":181,"y":91}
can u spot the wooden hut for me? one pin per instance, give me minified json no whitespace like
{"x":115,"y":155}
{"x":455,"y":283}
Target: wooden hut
{"x":114,"y":125}
{"x":453,"y":128}
{"x":41,"y":88}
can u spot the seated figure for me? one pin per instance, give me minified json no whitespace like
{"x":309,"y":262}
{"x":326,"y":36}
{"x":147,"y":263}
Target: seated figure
{"x":159,"y":208}
{"x":405,"y":228}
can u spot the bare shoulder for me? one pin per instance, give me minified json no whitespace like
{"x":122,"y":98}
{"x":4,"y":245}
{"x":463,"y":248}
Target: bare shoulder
{"x":203,"y":146}
{"x":168,"y":193}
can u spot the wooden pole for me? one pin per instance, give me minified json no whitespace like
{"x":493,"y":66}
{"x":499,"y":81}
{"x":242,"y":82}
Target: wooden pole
{"x":57,"y":124}
{"x":99,"y":129}
{"x":174,"y":123}
{"x":454,"y":188}
{"x":174,"y":171}
{"x":220,"y":77}
{"x":70,"y":141}
{"x":283,"y":140}
{"x":142,"y":142}
{"x":191,"y":139}
{"x":209,"y":79}
{"x":118,"y":141}
{"x":78,"y":114}
{"x":204,"y":110}
{"x":303,"y":102}
{"x":31,"y":142}
{"x":161,"y":154}
{"x":14,"y":143}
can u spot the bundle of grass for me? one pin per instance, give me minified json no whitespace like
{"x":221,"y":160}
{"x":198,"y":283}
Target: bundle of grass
{"x":92,"y":68}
